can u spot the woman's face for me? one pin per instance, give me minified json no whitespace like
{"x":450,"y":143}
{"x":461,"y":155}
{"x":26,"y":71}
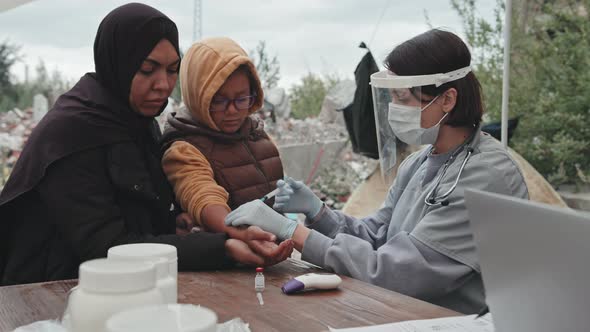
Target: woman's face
{"x":237,"y":86}
{"x":444,"y":104}
{"x":154,"y":81}
{"x":432,"y":110}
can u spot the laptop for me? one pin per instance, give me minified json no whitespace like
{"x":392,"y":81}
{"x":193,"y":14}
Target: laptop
{"x":535,"y":263}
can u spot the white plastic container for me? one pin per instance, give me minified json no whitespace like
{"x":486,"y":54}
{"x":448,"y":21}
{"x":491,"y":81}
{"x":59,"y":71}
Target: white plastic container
{"x":107,"y":287}
{"x":169,"y":318}
{"x":165,"y":283}
{"x":153,"y":252}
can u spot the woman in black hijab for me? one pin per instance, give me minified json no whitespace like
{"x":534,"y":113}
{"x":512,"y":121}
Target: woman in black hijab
{"x":89,"y":177}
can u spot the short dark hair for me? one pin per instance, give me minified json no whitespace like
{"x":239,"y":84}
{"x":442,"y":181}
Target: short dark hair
{"x":438,"y":51}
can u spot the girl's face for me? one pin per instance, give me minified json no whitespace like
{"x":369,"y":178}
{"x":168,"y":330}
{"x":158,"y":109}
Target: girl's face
{"x":154,"y":81}
{"x":231,"y":104}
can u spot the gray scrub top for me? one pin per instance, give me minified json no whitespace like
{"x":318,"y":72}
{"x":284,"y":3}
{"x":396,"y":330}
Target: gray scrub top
{"x":422,"y":251}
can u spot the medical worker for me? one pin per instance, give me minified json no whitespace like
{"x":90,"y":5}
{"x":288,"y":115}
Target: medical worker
{"x":419,"y":242}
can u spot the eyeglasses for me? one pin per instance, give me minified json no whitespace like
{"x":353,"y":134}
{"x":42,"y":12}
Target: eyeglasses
{"x":240,"y":103}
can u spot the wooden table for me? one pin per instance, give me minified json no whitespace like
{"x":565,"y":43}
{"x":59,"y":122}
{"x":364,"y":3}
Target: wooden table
{"x":231,"y":294}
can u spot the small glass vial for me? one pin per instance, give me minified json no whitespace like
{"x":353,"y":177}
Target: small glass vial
{"x":259,"y":280}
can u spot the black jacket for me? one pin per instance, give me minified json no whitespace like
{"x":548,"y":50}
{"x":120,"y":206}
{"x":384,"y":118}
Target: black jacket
{"x":90,"y":178}
{"x":87,"y":203}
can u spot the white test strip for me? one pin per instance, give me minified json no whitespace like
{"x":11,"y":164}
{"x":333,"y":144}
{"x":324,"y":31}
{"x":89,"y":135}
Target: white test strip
{"x":259,"y":296}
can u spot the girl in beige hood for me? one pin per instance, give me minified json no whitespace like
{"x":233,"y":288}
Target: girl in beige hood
{"x":217,"y":155}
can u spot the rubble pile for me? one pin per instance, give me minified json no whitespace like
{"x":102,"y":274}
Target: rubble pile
{"x":293,"y":131}
{"x":337,"y":178}
{"x":15,"y":128}
{"x":334,"y":184}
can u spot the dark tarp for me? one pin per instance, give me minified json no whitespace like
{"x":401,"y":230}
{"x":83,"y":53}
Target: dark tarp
{"x":359,"y":116}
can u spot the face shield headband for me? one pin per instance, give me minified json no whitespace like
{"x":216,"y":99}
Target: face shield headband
{"x":385,"y":79}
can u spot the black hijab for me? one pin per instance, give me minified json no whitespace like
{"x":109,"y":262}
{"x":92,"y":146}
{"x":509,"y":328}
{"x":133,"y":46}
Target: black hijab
{"x":96,"y":111}
{"x":125,"y":37}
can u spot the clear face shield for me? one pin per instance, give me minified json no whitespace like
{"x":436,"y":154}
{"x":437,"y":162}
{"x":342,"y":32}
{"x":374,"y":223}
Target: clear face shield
{"x":398,"y":103}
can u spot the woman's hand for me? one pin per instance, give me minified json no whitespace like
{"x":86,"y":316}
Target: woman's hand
{"x":269,"y":250}
{"x":258,"y":252}
{"x":240,"y":252}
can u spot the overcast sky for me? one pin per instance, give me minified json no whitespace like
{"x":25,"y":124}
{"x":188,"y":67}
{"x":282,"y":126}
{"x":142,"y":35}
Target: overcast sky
{"x":320,"y":36}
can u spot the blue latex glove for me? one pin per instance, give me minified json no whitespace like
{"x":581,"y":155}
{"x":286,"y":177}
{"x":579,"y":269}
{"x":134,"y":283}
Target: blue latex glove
{"x":296,"y":197}
{"x":257,"y":213}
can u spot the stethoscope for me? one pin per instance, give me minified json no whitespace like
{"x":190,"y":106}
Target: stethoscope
{"x":432,"y":199}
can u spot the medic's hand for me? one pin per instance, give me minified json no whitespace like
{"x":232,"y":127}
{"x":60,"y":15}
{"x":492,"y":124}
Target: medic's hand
{"x":256,"y":213}
{"x":295,"y":196}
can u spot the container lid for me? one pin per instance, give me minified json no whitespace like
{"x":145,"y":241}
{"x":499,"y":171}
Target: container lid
{"x":169,"y":318}
{"x":144,"y":250}
{"x":116,"y":276}
{"x":162,"y":270}
{"x":161,"y":264}
{"x":259,"y":269}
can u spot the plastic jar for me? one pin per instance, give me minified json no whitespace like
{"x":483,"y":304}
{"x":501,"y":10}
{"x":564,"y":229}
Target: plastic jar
{"x":107,"y":287}
{"x":169,"y":318}
{"x":167,"y":282}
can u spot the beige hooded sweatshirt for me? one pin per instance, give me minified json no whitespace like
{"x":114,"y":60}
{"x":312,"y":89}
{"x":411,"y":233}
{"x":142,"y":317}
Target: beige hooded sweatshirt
{"x":204,"y":69}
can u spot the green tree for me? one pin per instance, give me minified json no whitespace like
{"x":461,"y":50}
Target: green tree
{"x":307,"y":97}
{"x":20,"y":94}
{"x":556,"y":108}
{"x":550,"y":76}
{"x":8,"y":57}
{"x":268,"y":68}
{"x":50,"y":85}
{"x":486,"y":42}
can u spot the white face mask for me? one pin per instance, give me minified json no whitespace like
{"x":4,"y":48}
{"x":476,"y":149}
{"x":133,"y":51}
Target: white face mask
{"x":405,"y":123}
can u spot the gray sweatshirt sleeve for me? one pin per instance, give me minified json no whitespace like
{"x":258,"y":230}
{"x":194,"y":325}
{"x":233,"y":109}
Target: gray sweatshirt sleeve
{"x":372,"y":229}
{"x":402,"y":264}
{"x":359,"y":248}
